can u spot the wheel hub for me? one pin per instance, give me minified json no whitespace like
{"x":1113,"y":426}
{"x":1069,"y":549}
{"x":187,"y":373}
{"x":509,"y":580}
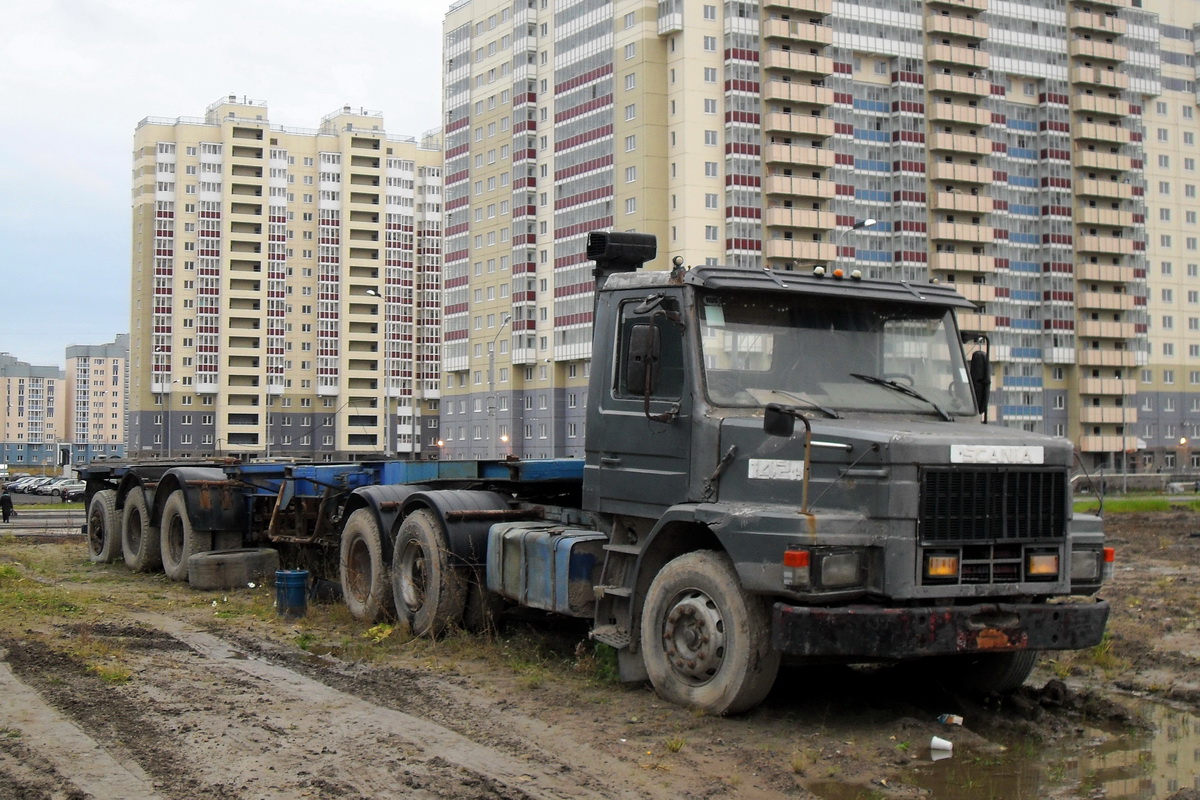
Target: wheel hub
{"x":693,"y":635}
{"x":412,"y":577}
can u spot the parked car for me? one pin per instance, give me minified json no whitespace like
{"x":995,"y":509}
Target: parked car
{"x":59,"y":488}
{"x":30,"y":487}
{"x":19,"y":484}
{"x":48,"y":487}
{"x":74,"y":495}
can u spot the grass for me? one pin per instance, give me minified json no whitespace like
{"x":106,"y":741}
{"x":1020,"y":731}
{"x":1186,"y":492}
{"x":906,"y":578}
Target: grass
{"x":1141,"y":502}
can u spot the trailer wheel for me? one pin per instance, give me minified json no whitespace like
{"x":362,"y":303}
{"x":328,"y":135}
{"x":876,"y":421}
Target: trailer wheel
{"x":179,"y":540}
{"x":981,"y":672}
{"x":139,"y":539}
{"x":430,"y":591}
{"x":103,"y":527}
{"x":482,"y":609}
{"x":706,"y":643}
{"x":364,"y":575}
{"x":232,"y":569}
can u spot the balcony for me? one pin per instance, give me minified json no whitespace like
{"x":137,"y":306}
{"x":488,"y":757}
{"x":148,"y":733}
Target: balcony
{"x":800,"y":124}
{"x":1114,"y":190}
{"x":1108,"y":245}
{"x":959,"y":84}
{"x":951,"y":112}
{"x":976,"y":322}
{"x":800,"y":251}
{"x":1106,"y":444}
{"x":952,"y":54}
{"x":959,"y":173}
{"x":1112,"y":134}
{"x":961,"y":201}
{"x":1110,"y":217}
{"x":1106,"y":358}
{"x":797,"y":31}
{"x":973,"y":5}
{"x":1093,"y":50}
{"x":792,"y":61}
{"x":1090,"y":159}
{"x":792,"y":92}
{"x":1109,"y":301}
{"x":1099,"y":329}
{"x":779,"y":216}
{"x":1109,"y":273}
{"x":1108,"y":78}
{"x":1107,"y":415}
{"x":960,"y":143}
{"x":792,"y":186}
{"x":799,"y":155}
{"x":1095,"y":104}
{"x":1109,"y":386}
{"x":1084,"y":20}
{"x":817,"y":7}
{"x":945,"y":25}
{"x":961,"y":262}
{"x":960,"y":232}
{"x":975,"y":292}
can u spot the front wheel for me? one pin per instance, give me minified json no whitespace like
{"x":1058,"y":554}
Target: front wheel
{"x":981,"y":672}
{"x":706,"y":643}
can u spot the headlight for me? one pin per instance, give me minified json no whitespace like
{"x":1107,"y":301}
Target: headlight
{"x":1041,"y":566}
{"x":1085,"y":566}
{"x":841,"y":569}
{"x":941,"y":566}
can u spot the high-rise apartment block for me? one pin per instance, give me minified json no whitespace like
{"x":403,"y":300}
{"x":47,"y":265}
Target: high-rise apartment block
{"x":1037,"y":156}
{"x":286,"y":287}
{"x":96,"y":410}
{"x":33,"y":413}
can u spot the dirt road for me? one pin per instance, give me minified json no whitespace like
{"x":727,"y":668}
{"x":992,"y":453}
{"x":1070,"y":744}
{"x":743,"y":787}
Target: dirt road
{"x":128,"y":686}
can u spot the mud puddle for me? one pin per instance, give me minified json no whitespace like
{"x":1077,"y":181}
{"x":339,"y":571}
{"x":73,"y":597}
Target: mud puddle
{"x":1098,"y":762}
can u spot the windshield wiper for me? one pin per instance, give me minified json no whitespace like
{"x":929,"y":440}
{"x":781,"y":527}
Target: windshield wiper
{"x":902,"y":389}
{"x":829,"y":412}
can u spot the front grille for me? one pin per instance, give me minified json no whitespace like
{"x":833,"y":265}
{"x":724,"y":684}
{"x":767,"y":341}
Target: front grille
{"x":992,"y":505}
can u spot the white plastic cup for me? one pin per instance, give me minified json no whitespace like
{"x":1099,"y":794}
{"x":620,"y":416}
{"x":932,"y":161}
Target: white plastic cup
{"x":938,"y":743}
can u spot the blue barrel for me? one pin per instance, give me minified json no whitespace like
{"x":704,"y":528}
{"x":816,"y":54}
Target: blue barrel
{"x":291,"y":592}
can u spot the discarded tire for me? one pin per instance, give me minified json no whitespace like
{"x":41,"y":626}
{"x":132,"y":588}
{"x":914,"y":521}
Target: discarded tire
{"x":232,"y":569}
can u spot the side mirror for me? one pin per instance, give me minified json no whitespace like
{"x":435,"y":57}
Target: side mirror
{"x":777,"y":421}
{"x":645,"y":356}
{"x":981,"y":379}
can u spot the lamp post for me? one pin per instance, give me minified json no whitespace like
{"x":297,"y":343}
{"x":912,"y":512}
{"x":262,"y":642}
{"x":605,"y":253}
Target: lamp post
{"x":869,"y":222}
{"x":492,"y":387}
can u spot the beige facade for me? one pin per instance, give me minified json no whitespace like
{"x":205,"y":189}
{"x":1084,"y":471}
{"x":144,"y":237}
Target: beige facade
{"x":286,"y":287}
{"x":96,"y":411}
{"x":33,"y":414}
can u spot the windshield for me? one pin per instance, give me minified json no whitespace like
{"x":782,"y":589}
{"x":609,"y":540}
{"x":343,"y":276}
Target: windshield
{"x":814,"y":351}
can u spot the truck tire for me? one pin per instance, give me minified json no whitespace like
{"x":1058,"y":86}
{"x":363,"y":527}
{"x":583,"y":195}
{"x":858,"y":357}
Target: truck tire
{"x":482,"y":609}
{"x":232,"y":569}
{"x":179,"y":540}
{"x":430,"y":591}
{"x":139,"y":539}
{"x":982,"y":672}
{"x":103,"y":527}
{"x":706,"y":643}
{"x":362,"y":569}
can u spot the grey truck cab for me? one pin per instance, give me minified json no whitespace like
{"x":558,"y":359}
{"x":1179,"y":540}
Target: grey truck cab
{"x":794,"y":464}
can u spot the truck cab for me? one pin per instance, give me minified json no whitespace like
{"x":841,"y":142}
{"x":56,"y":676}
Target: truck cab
{"x":820,"y":435}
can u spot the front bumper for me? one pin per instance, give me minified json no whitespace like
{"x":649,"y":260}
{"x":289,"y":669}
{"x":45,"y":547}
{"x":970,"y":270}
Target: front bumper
{"x":871,"y":632}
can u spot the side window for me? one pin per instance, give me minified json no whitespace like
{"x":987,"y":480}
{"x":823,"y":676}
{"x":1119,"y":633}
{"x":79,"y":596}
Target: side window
{"x":651,"y":342}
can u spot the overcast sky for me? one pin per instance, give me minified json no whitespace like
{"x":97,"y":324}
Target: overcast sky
{"x":78,"y":76}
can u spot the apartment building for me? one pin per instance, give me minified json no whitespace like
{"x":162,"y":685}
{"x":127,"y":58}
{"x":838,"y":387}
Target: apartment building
{"x":1010,"y":148}
{"x":33,"y":413}
{"x":286,"y":287}
{"x":97,"y":387}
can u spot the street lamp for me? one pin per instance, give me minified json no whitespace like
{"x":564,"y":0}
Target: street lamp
{"x":869,"y":222}
{"x":492,"y":386}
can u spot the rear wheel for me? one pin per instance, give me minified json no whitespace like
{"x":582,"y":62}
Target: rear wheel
{"x":103,"y":527}
{"x":706,"y":643}
{"x":179,"y":540}
{"x":139,"y":539}
{"x":430,"y":591}
{"x":363,"y":572}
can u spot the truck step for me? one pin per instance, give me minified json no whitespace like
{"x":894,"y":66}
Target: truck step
{"x":613,"y":591}
{"x":631,"y":549}
{"x":611,"y":635}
